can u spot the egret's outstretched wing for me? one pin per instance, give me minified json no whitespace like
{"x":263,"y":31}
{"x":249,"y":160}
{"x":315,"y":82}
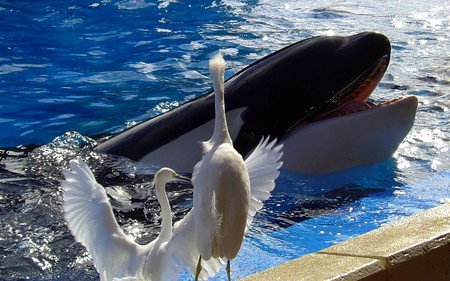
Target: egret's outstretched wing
{"x":263,"y":166}
{"x":182,"y":247}
{"x":91,"y":221}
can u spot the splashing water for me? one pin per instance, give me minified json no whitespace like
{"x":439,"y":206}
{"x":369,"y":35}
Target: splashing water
{"x":99,"y":67}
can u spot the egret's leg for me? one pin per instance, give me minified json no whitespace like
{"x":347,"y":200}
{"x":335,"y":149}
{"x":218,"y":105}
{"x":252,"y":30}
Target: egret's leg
{"x":199,"y":268}
{"x":228,"y":270}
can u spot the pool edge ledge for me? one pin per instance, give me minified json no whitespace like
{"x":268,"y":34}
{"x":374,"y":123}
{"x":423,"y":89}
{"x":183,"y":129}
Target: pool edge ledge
{"x":413,"y":248}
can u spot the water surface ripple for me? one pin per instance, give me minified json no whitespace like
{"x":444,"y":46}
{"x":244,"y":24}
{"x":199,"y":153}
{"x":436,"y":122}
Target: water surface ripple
{"x":73,"y":69}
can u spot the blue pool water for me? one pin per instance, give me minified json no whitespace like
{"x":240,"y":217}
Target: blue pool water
{"x":73,"y":69}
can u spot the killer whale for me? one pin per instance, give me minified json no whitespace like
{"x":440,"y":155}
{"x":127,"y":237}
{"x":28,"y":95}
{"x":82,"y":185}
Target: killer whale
{"x":309,"y":84}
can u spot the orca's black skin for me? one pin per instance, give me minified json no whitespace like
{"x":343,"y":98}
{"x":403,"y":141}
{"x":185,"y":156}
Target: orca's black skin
{"x":278,"y":91}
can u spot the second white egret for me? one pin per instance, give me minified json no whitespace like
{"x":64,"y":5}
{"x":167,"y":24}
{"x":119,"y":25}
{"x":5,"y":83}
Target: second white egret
{"x":91,"y":221}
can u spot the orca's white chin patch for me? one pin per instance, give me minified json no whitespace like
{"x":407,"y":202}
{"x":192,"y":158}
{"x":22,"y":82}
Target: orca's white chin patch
{"x":358,"y":139}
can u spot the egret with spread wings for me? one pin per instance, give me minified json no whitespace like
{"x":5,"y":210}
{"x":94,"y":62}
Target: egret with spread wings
{"x":90,"y":218}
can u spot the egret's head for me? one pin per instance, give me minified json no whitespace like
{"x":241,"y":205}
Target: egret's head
{"x":165,"y":175}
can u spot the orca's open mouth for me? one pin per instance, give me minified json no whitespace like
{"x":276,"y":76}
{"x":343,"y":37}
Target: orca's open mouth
{"x":357,"y":100}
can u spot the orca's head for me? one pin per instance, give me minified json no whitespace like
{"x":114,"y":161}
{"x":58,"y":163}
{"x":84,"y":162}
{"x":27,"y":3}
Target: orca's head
{"x":316,"y":78}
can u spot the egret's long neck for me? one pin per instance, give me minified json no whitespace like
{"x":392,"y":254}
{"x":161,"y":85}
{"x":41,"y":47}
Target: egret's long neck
{"x":166,"y":213}
{"x":217,"y":69}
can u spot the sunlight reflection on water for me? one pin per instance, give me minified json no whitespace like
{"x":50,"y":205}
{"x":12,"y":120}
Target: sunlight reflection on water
{"x":93,"y":74}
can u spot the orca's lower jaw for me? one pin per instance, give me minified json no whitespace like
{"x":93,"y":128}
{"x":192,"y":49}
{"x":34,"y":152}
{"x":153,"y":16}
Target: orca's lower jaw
{"x":359,"y":138}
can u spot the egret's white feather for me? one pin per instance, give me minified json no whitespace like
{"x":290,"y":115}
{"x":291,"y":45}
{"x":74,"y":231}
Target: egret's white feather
{"x":183,"y":246}
{"x":263,"y":166}
{"x":121,"y":197}
{"x":91,"y":221}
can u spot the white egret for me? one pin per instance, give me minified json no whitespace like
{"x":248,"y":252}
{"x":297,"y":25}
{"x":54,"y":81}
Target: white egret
{"x":89,"y":215}
{"x":90,"y":218}
{"x":225,"y":186}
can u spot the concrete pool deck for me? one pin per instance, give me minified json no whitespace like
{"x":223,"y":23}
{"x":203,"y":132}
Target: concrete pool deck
{"x":413,"y":248}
